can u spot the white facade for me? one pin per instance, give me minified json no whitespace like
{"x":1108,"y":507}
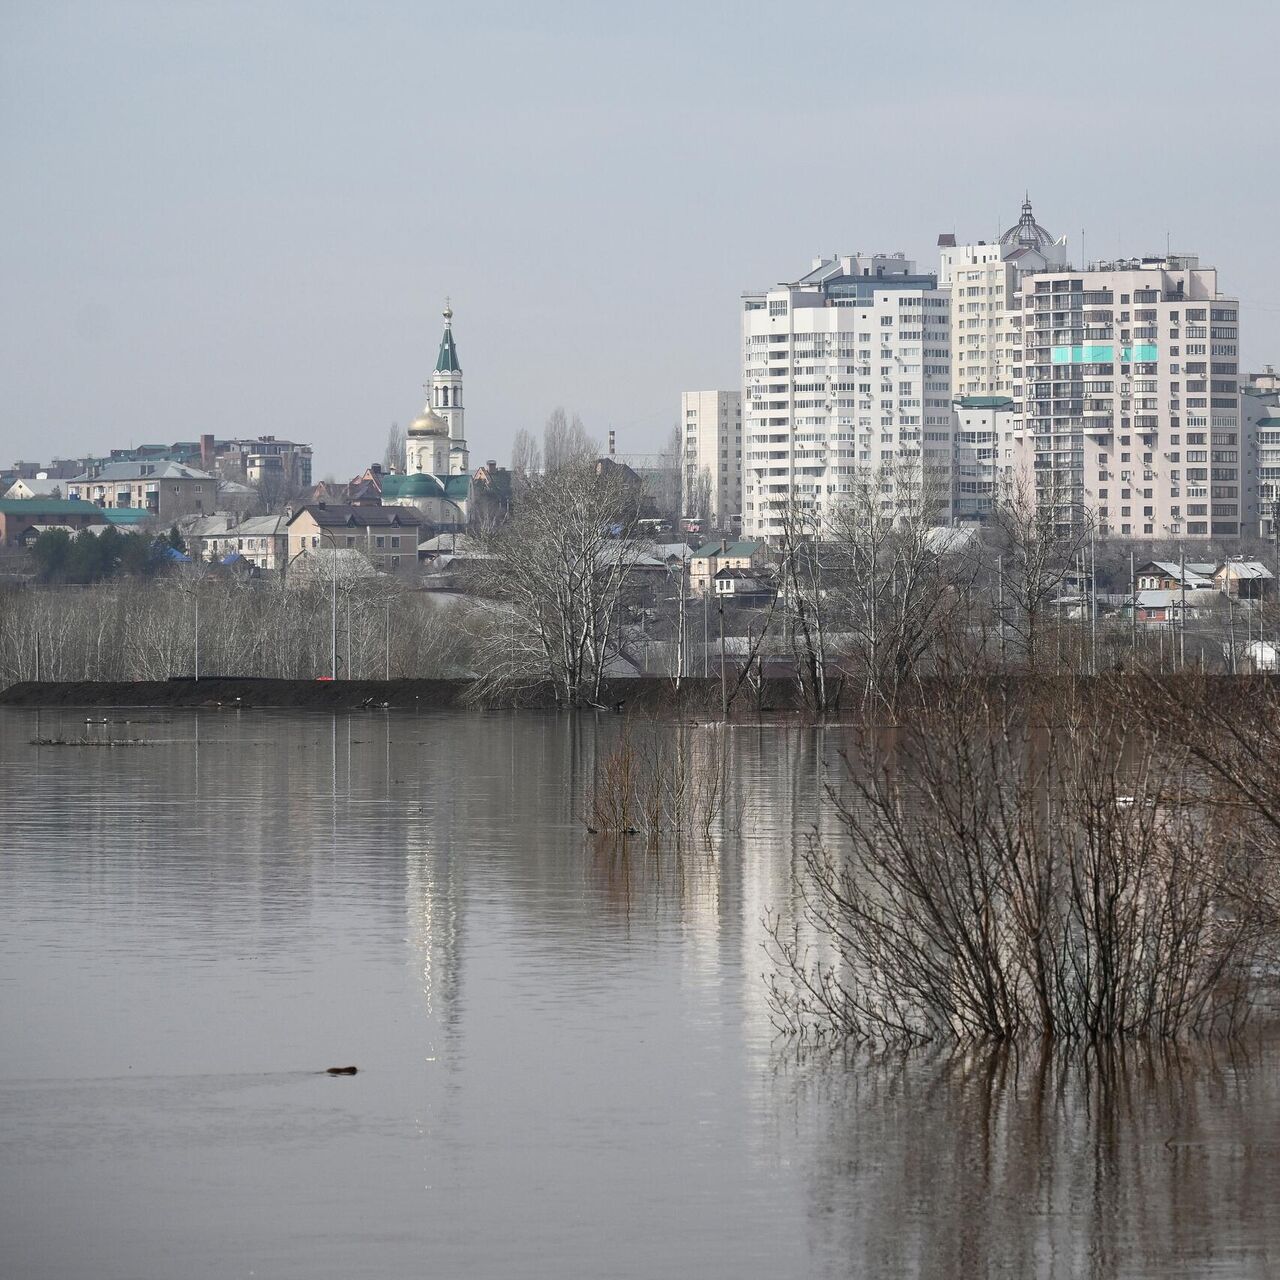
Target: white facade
{"x":711,"y":457}
{"x":984,"y":452}
{"x":846,"y":374}
{"x":1128,"y":397}
{"x":1260,"y":449}
{"x":985,"y":314}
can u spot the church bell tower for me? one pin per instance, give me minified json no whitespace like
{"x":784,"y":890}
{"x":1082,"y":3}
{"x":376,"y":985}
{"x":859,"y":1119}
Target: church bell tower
{"x":446,"y":396}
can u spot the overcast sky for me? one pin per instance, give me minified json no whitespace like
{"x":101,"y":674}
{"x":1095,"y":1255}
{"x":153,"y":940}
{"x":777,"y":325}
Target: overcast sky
{"x":244,"y":218}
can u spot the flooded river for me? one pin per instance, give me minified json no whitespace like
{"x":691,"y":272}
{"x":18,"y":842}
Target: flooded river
{"x":566,"y":1063}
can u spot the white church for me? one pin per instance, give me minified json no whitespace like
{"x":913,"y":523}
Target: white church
{"x":437,"y":465}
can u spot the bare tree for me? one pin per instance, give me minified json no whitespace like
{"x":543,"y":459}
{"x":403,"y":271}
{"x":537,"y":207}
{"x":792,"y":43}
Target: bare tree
{"x":526,"y":454}
{"x":393,"y":454}
{"x":803,"y":597}
{"x":899,"y":581}
{"x":1038,"y":536}
{"x":996,"y":882}
{"x":565,"y":442}
{"x":557,"y":572}
{"x":697,"y":498}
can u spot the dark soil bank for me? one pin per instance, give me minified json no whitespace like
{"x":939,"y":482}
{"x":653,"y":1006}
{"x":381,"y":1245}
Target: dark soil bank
{"x":347,"y":695}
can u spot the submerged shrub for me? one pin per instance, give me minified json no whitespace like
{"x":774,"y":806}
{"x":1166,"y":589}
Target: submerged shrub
{"x":998,"y":880}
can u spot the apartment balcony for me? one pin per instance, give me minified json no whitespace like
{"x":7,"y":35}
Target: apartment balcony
{"x":1098,"y":425}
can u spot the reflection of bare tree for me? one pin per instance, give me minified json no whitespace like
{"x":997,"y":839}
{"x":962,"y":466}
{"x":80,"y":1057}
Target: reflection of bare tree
{"x":1149,"y":1162}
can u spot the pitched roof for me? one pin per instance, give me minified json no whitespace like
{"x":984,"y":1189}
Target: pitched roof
{"x":359,"y":517}
{"x":42,"y":488}
{"x":1245,"y":569}
{"x":158,"y":470}
{"x":734,"y":549}
{"x":1170,"y":569}
{"x":127,"y":515}
{"x":222,"y":525}
{"x":447,"y":360}
{"x":49,"y":507}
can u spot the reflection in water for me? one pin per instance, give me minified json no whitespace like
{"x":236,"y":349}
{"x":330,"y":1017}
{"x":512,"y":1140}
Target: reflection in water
{"x":1155,"y":1161}
{"x":567,"y":1065}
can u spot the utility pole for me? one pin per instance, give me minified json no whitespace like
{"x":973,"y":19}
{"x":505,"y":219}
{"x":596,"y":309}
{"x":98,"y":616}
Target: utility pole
{"x":333,"y":636}
{"x":1231,"y":619}
{"x":724,"y":687}
{"x":1133,"y":606}
{"x":195,"y":596}
{"x":706,"y":632}
{"x":388,"y":634}
{"x":1182,"y":607}
{"x":1093,"y":602}
{"x":37,"y":655}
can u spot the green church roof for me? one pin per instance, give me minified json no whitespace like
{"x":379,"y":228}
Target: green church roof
{"x":417,"y":485}
{"x":458,"y":488}
{"x":447,"y":360}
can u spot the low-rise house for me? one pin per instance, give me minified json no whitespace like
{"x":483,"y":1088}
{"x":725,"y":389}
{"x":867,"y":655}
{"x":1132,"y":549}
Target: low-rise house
{"x":29,"y":537}
{"x":386,"y":536}
{"x":1244,"y":579}
{"x":165,"y":490}
{"x":18,"y":515}
{"x":41,"y":486}
{"x":1158,"y":605}
{"x":348,"y":565}
{"x":446,"y":544}
{"x":708,"y":559}
{"x":743,"y":587}
{"x":260,"y":540}
{"x":1168,"y":575}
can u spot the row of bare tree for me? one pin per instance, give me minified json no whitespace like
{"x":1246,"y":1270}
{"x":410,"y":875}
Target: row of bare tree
{"x":133,"y":629}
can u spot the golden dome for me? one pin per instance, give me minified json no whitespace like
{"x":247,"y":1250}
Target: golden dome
{"x":429,"y":424}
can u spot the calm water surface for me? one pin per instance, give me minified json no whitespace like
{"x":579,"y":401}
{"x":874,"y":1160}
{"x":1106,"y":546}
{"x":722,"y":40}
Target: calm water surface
{"x":566,"y":1063}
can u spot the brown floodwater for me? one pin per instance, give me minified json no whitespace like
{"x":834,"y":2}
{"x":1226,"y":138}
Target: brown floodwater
{"x":566,"y":1063}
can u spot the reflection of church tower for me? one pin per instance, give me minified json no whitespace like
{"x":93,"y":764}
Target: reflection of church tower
{"x":446,"y":396}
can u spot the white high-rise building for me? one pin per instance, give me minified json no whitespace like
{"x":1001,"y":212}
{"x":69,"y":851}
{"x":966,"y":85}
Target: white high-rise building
{"x":711,"y":457}
{"x":1129,"y":406}
{"x":986,"y":350}
{"x":845,"y":375}
{"x":985,"y":315}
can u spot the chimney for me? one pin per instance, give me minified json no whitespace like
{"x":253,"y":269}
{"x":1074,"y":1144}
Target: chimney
{"x":613,"y":440}
{"x":206,"y":452}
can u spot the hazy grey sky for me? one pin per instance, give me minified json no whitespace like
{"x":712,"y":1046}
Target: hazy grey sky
{"x":243,"y":218}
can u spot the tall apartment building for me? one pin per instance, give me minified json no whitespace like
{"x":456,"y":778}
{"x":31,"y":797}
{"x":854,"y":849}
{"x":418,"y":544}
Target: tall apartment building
{"x":1128,"y":401}
{"x":986,"y":351}
{"x":985,"y":315}
{"x":1260,"y":448}
{"x":844,"y":372}
{"x":711,"y":461}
